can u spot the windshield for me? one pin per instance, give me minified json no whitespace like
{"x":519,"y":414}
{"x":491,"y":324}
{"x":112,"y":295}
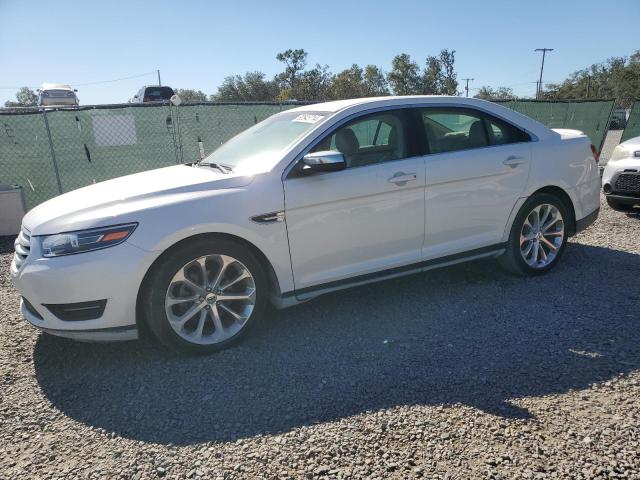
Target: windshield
{"x":260,"y":147}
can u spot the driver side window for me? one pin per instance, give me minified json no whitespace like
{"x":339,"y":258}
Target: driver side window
{"x":374,"y":138}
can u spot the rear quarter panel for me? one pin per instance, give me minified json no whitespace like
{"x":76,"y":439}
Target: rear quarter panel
{"x":570,"y":165}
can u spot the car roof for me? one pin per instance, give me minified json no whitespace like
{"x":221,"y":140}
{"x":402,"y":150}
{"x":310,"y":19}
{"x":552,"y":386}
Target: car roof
{"x":55,"y":86}
{"x":337,"y":105}
{"x":359,"y":104}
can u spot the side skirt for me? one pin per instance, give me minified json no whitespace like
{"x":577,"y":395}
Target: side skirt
{"x":289,"y":299}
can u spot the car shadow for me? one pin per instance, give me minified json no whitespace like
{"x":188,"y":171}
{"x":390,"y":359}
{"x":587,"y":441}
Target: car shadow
{"x":6,"y":244}
{"x":468,"y":334}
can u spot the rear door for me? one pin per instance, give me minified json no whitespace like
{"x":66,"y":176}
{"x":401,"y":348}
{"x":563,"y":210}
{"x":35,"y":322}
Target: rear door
{"x":366,"y":218}
{"x":476,"y":170}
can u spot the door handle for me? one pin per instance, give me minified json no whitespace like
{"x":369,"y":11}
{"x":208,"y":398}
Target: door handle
{"x":401,"y":178}
{"x":513,"y":161}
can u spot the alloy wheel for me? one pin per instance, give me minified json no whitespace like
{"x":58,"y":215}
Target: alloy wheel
{"x":541,"y":236}
{"x":210,"y":299}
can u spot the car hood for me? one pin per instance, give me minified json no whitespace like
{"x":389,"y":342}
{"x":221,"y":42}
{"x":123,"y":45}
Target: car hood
{"x":118,"y":200}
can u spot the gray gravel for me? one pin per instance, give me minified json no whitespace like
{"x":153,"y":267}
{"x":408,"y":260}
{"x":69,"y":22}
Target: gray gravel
{"x":460,"y":373}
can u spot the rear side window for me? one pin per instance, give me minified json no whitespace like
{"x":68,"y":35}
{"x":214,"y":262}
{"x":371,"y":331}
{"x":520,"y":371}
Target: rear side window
{"x":501,"y":132}
{"x":449,"y":130}
{"x":453,"y":129}
{"x":158,"y":93}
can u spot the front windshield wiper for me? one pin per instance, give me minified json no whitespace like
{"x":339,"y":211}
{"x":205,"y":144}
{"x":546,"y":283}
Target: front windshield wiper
{"x":223,"y":168}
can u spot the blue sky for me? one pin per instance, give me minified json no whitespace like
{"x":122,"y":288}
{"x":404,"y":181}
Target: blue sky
{"x":195,"y":44}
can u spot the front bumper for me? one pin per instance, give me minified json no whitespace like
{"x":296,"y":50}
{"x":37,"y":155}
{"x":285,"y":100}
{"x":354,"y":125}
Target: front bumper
{"x":587,"y":221}
{"x":624,"y":199}
{"x":114,"y":334}
{"x":114,"y":274}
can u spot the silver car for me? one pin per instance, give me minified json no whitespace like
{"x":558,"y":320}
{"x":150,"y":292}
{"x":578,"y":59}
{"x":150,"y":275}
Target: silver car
{"x":57,"y":94}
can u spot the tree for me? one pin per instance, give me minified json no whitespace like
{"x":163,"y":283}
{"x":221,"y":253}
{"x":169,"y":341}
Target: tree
{"x":448,"y":76}
{"x":252,"y":87}
{"x":25,"y":98}
{"x":314,"y":84}
{"x":432,"y":76}
{"x":294,"y":61}
{"x":501,"y":93}
{"x":404,"y":76}
{"x":617,"y":77}
{"x":374,"y":83}
{"x":191,"y":96}
{"x":348,"y":84}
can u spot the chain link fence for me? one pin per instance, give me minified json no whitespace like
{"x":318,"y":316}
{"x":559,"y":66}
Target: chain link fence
{"x":53,"y":151}
{"x":632,"y":129}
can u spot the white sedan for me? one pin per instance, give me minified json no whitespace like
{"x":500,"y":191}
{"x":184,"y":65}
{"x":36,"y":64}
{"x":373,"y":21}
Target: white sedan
{"x":621,"y":176}
{"x":311,"y":200}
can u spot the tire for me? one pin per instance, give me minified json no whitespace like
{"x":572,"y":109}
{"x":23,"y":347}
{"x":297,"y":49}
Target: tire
{"x":618,"y":206}
{"x":514,"y":260}
{"x":184,"y":315}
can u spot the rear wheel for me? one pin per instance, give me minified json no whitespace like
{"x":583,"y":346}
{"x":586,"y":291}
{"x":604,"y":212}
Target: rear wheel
{"x":205,"y":295}
{"x":619,"y":206}
{"x":538,"y":236}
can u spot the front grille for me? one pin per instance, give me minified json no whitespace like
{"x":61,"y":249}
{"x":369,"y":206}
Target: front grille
{"x":628,"y":183}
{"x":22,"y":247}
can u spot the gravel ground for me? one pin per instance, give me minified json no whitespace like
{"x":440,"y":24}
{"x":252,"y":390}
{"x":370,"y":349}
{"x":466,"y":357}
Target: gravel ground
{"x":461,"y":373}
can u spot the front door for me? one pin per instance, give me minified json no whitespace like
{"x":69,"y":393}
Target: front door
{"x":366,"y":218}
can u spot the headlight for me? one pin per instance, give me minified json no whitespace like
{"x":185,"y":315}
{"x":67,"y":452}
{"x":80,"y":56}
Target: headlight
{"x":85,"y":240}
{"x":619,"y":153}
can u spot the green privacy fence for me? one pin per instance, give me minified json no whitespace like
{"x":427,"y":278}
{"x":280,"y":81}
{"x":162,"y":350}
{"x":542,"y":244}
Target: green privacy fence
{"x":589,"y":116}
{"x":633,"y":123}
{"x":52,"y":151}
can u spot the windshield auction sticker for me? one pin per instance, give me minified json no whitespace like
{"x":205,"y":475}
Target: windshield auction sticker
{"x":307,"y":118}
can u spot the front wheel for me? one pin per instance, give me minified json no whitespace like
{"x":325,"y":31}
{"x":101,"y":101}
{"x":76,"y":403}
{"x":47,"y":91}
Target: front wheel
{"x":204,"y":295}
{"x":538,"y":236}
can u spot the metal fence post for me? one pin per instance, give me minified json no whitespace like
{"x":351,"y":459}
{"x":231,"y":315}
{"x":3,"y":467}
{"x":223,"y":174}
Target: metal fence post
{"x":53,"y":152}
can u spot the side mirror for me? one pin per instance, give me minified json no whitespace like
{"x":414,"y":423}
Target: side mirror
{"x":75,"y":89}
{"x":325,"y":161}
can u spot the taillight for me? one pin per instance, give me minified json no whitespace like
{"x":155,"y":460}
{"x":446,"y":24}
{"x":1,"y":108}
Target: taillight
{"x":596,"y":155}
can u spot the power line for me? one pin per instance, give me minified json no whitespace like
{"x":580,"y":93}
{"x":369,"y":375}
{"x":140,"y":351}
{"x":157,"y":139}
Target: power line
{"x":93,"y":83}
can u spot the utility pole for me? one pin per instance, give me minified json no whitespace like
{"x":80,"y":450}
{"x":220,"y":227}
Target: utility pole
{"x":467,"y":87}
{"x":159,"y":82}
{"x":544,"y":52}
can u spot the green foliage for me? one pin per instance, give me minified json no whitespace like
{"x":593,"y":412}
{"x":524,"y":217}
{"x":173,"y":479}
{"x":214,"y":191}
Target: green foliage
{"x":252,"y":87}
{"x":374,"y":82}
{"x":297,"y":82}
{"x":348,"y":84}
{"x":314,"y":84}
{"x":25,"y":98}
{"x":404,"y":76}
{"x":438,"y":78}
{"x":617,"y":77}
{"x":188,"y":95}
{"x":500,"y":93}
{"x":294,"y":61}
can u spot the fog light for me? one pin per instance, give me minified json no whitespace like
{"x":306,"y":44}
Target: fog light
{"x":607,"y":188}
